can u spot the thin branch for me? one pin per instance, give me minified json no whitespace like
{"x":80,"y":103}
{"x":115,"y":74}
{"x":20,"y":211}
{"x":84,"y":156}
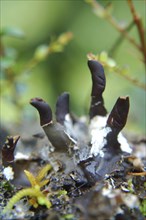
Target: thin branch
{"x":129,"y":78}
{"x":138,"y":22}
{"x":137,"y":174}
{"x":115,"y":24}
{"x":120,"y":39}
{"x":97,"y":6}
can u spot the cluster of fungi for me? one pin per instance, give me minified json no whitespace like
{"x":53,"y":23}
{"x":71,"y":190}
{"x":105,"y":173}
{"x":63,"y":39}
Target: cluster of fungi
{"x":93,"y":145}
{"x":85,"y":158}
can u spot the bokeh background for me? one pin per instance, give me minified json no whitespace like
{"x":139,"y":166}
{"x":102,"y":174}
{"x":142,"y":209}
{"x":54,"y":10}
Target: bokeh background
{"x":44,"y":20}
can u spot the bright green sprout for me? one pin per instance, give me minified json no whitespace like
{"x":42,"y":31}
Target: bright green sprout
{"x":143,"y":207}
{"x":37,"y":197}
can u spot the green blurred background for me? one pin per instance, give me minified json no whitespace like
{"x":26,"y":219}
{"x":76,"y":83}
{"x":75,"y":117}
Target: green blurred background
{"x":42,"y":20}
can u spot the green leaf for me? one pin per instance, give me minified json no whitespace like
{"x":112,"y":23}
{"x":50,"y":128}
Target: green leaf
{"x":143,"y":207}
{"x":103,"y":56}
{"x":56,"y":47}
{"x":111,"y":63}
{"x":68,"y":217}
{"x":12,"y":32}
{"x":41,"y":52}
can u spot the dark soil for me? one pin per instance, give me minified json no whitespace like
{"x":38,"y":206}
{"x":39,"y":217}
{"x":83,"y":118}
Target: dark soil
{"x":119,"y":195}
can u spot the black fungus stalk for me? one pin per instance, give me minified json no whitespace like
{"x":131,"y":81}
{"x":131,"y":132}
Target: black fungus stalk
{"x":54,"y":131}
{"x":44,"y":110}
{"x":116,"y":122}
{"x":8,"y":150}
{"x":72,"y":124}
{"x":98,"y":87}
{"x":62,"y":107}
{"x":118,"y":116}
{"x":102,"y":156}
{"x":96,"y":167}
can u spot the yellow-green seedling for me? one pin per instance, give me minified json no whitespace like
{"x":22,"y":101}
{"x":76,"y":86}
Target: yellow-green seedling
{"x":35,"y":194}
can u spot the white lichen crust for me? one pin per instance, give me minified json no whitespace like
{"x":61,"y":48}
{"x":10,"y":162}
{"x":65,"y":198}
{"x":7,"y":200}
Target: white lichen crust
{"x":99,"y":131}
{"x":8,"y":173}
{"x":99,"y":140}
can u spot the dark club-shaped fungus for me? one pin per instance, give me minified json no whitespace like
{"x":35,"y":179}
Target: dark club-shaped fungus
{"x":62,"y":107}
{"x":118,"y":116}
{"x":8,"y":149}
{"x":101,"y":149}
{"x":54,"y":131}
{"x":98,"y":87}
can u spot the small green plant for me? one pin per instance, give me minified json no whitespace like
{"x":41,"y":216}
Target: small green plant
{"x":143,"y":207}
{"x":37,"y":196}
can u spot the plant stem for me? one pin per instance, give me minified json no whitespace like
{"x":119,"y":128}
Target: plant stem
{"x":130,"y":79}
{"x":138,"y":23}
{"x":120,"y":39}
{"x":97,"y":6}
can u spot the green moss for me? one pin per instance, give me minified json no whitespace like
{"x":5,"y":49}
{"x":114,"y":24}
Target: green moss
{"x":143,"y":207}
{"x":36,"y":195}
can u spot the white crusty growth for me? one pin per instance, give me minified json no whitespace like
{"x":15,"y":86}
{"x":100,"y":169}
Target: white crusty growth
{"x":99,"y":131}
{"x":8,"y":173}
{"x":98,"y":141}
{"x":124,"y":143}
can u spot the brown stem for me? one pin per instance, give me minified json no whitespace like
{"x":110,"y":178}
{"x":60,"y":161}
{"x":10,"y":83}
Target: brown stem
{"x":114,"y":23}
{"x":120,"y":39}
{"x":130,"y":79}
{"x":139,"y":24}
{"x":137,"y":174}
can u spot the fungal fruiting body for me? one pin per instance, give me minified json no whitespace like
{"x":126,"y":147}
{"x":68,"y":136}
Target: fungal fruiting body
{"x":75,"y":127}
{"x":98,"y":86}
{"x":106,"y":151}
{"x":54,"y":130}
{"x":8,"y":156}
{"x":100,"y":122}
{"x":8,"y":149}
{"x":63,"y":113}
{"x":114,"y":124}
{"x":62,"y":108}
{"x":103,"y":144}
{"x":91,"y":147}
